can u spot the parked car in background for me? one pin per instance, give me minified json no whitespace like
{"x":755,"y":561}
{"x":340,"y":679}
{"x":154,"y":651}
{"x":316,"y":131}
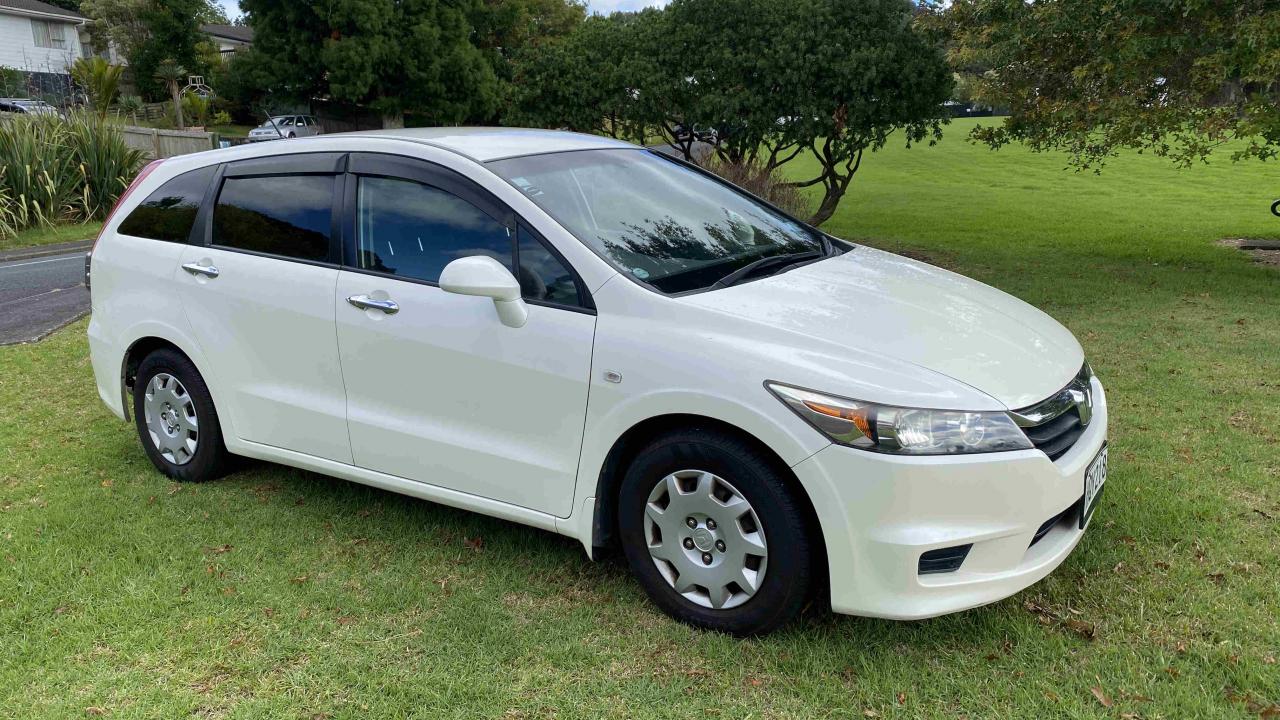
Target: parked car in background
{"x":283,"y":127}
{"x":27,"y":106}
{"x":598,"y":340}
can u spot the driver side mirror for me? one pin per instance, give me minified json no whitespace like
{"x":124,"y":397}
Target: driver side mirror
{"x":483,"y":276}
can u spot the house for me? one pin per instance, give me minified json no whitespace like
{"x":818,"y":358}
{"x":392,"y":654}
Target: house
{"x":41,"y":41}
{"x":230,"y":39}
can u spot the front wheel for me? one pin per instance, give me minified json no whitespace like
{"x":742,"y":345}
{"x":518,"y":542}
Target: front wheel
{"x":177,"y":422}
{"x":714,"y":533}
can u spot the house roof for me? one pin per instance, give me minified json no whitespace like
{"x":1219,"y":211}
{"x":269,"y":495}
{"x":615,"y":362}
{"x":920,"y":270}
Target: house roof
{"x":35,"y":7}
{"x":242,"y":33}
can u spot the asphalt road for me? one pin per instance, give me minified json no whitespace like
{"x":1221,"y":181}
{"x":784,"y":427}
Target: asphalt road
{"x":41,"y":295}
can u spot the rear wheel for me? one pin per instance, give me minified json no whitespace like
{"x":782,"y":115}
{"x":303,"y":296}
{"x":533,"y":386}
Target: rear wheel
{"x":714,"y":533}
{"x":176,"y":419}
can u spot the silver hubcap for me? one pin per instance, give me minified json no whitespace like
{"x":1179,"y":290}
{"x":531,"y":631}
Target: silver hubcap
{"x":171,"y":418}
{"x":705,"y":539}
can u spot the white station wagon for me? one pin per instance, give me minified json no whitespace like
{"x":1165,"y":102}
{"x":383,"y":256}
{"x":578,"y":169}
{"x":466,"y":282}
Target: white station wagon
{"x":592,"y":338}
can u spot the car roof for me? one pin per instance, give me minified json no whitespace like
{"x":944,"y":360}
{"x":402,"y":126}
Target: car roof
{"x":484,"y":144}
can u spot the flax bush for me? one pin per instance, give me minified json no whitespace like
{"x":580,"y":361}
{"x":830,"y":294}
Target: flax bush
{"x":55,"y":169}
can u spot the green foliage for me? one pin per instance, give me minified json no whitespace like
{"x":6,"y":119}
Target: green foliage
{"x":8,"y":215}
{"x":394,"y":56}
{"x":587,"y":81}
{"x":54,"y":169}
{"x":1173,"y":77}
{"x":503,"y":28}
{"x":131,"y":105}
{"x":196,"y":108}
{"x":100,"y":81}
{"x":12,"y":83}
{"x":149,"y":32}
{"x":774,"y":78}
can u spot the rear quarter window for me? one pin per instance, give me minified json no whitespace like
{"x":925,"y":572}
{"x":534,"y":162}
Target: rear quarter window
{"x":169,"y":212}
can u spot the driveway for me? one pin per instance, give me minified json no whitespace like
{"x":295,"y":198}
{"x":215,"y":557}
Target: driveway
{"x":40,"y":295}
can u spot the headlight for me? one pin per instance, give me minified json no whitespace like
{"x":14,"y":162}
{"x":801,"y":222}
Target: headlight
{"x":903,"y":431}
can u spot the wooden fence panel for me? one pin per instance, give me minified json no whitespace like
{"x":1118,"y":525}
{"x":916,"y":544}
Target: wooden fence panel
{"x":157,"y":144}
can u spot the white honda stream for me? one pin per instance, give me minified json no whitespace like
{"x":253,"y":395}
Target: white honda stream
{"x":591,"y":338}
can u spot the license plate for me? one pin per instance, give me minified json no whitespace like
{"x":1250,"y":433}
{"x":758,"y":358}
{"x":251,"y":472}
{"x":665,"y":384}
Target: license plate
{"x":1094,"y":478}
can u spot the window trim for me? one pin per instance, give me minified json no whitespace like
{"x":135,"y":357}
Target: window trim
{"x":433,"y":175}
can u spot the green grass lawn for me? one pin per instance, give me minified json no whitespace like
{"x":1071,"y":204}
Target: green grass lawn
{"x":51,"y":235}
{"x":279,"y":593}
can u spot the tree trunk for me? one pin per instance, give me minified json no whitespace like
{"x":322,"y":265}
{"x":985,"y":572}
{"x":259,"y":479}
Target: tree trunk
{"x":830,"y":201}
{"x":836,"y":183}
{"x":393,"y":120}
{"x":177,"y":104}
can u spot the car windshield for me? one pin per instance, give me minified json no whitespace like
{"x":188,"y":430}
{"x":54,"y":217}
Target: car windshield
{"x":660,"y":221}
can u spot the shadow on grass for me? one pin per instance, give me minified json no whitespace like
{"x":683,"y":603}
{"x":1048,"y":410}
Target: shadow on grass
{"x":550,"y":559}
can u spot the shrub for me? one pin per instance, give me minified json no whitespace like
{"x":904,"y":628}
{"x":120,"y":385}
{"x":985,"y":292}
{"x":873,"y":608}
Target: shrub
{"x":758,"y":180}
{"x":131,"y":105}
{"x":195,"y":109}
{"x":99,"y":79}
{"x":56,"y":169}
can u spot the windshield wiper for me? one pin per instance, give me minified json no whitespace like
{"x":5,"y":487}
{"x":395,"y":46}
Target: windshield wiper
{"x":752,"y":268}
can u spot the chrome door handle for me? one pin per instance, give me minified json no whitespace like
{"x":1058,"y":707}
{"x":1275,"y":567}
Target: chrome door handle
{"x":196,"y":268}
{"x":364,"y":302}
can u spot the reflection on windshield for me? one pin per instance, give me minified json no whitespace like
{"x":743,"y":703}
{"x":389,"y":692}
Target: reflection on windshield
{"x":663,"y":223}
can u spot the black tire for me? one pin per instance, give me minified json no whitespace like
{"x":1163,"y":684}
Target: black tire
{"x":210,"y":459}
{"x":785,"y":587}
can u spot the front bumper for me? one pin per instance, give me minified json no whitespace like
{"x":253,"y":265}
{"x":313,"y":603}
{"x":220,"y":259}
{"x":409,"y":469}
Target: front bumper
{"x":880,"y":513}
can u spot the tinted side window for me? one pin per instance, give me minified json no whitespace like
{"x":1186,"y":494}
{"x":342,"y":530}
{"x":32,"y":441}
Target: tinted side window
{"x":542,"y":275}
{"x":169,"y":212}
{"x":280,"y":215}
{"x":413,"y":230}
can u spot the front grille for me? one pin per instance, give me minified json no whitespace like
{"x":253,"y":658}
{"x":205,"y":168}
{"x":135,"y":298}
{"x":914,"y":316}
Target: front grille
{"x":1054,"y":424}
{"x":1055,"y":437}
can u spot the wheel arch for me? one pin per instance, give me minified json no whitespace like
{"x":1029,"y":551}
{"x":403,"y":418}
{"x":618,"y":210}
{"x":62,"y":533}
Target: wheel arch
{"x":139,"y":349}
{"x":605,"y":514}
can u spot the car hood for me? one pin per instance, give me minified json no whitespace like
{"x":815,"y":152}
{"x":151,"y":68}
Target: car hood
{"x":909,"y":312}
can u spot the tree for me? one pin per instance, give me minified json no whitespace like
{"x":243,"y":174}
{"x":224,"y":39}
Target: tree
{"x":100,"y":81}
{"x":776,"y":79}
{"x":394,"y":56}
{"x":503,"y":28}
{"x":589,"y":80}
{"x":149,"y":31}
{"x":1174,"y":77}
{"x":172,"y":74}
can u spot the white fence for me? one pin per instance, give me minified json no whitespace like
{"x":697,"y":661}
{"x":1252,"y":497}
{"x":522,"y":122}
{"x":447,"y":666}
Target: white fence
{"x":159,"y":144}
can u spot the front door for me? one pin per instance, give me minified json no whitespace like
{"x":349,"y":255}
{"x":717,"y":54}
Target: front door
{"x":439,"y":390}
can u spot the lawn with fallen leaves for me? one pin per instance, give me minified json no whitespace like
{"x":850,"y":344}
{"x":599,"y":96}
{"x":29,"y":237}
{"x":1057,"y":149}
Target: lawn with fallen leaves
{"x":279,"y":593}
